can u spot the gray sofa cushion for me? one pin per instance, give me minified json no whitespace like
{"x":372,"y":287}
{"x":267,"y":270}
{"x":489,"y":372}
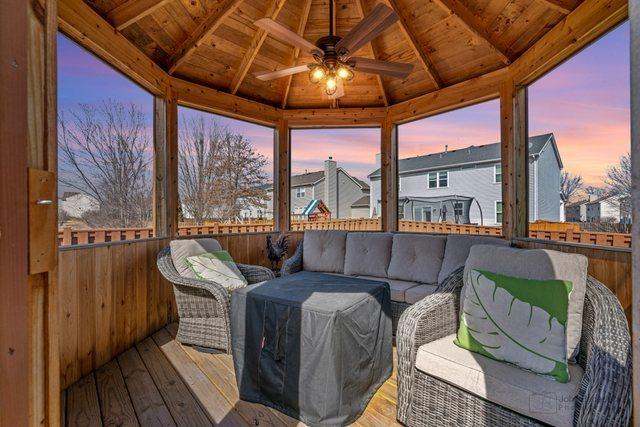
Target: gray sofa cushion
{"x":368,"y":254}
{"x":539,"y":264}
{"x":415,"y":294}
{"x":324,"y":250}
{"x":399,"y":288}
{"x":416,"y":257}
{"x":181,"y":249}
{"x":457,"y":251}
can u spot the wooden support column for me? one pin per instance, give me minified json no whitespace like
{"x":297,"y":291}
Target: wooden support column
{"x":389,"y":175}
{"x":634,"y":14}
{"x":515,"y":165}
{"x":282,"y":166}
{"x":165,"y":189}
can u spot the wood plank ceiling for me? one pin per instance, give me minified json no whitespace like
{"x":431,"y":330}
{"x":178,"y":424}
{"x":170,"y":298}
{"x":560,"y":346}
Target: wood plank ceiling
{"x":214,"y":42}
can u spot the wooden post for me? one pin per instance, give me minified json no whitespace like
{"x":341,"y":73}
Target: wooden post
{"x":281,"y":192}
{"x":515,"y":165}
{"x":389,"y":175}
{"x":165,"y":191}
{"x":634,"y":14}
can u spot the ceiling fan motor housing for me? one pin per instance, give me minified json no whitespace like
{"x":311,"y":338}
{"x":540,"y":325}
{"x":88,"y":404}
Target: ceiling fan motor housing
{"x":328,"y":45}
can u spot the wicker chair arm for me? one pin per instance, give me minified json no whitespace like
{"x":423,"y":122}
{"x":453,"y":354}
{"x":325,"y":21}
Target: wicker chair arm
{"x":256,"y":273}
{"x":431,"y":318}
{"x":605,"y":392}
{"x":293,"y":264}
{"x":167,"y":269}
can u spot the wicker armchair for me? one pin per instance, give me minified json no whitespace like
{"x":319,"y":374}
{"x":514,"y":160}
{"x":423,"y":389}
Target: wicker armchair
{"x":604,"y":396}
{"x":203,"y":306}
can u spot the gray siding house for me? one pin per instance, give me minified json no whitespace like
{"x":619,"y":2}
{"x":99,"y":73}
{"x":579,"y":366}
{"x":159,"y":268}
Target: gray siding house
{"x":464,"y":185}
{"x":345,"y":195}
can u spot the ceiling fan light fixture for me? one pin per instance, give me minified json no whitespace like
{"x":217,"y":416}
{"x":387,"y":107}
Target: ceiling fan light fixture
{"x":344,"y":72}
{"x":316,"y":74}
{"x":331,"y":84}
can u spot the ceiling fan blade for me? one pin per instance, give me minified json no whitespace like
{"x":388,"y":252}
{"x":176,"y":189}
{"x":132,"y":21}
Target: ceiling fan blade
{"x":272,"y":75}
{"x":285,"y":35}
{"x":372,"y":25}
{"x":384,"y":68}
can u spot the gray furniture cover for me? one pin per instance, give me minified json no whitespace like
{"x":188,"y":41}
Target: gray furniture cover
{"x":312,"y":345}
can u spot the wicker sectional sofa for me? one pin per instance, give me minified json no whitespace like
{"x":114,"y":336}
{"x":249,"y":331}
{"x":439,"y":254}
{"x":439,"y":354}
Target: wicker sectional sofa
{"x":414,"y":265}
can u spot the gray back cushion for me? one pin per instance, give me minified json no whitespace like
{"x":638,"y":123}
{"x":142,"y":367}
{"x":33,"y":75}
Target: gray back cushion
{"x":181,"y":249}
{"x":368,"y":254}
{"x":538,"y":264}
{"x":416,"y":257}
{"x":324,"y":250}
{"x":457,"y":251}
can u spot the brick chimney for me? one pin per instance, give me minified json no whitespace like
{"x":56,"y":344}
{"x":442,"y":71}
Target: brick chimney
{"x":331,"y":186}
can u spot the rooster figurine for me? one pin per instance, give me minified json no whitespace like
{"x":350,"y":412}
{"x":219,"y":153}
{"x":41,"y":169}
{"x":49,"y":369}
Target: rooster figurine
{"x":276,"y":251}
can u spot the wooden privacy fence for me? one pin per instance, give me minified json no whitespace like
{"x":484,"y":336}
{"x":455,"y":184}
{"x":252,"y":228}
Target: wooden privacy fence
{"x":564,"y":232}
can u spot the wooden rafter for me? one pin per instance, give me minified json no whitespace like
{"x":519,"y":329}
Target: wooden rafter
{"x":273,"y":10}
{"x":131,"y":11}
{"x":204,"y":30}
{"x":562,"y":6}
{"x":422,"y":56}
{"x":296,"y":51}
{"x":383,"y":91}
{"x":475,"y":25}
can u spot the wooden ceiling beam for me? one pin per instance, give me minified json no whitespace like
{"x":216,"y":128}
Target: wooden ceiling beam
{"x":474,"y":25}
{"x":422,"y":56}
{"x":204,"y":30}
{"x":376,"y":55}
{"x":273,"y":10}
{"x":131,"y":11}
{"x":306,"y":9}
{"x":562,"y":6}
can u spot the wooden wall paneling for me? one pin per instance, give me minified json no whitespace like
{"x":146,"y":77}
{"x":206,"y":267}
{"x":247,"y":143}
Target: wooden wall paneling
{"x":389,"y":176}
{"x":282,"y":157}
{"x":634,"y":13}
{"x":473,"y":91}
{"x":586,"y":23}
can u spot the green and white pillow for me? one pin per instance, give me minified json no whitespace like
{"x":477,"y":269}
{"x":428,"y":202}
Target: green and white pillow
{"x":217,"y":267}
{"x":520,"y":321}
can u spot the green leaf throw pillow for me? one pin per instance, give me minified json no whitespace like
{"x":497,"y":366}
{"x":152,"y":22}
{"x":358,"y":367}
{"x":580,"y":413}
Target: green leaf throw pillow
{"x":515,"y":320}
{"x":217,"y":267}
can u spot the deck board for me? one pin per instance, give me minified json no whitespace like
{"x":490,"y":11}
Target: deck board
{"x":161,"y":382}
{"x":115,"y":404}
{"x":145,"y":397}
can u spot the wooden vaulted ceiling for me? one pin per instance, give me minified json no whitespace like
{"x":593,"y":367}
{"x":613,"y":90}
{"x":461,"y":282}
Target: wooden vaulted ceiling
{"x":214,"y":42}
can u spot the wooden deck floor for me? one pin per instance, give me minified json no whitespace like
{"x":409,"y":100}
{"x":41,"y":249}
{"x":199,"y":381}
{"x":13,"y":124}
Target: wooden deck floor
{"x":160,"y":382}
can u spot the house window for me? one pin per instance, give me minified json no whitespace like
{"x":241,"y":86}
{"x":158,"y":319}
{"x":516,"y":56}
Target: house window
{"x":438,"y":179}
{"x":300,"y":192}
{"x":498,"y":212}
{"x":457,"y":209}
{"x":497,"y":173}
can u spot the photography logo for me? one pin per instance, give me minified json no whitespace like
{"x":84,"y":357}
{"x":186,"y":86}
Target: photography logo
{"x":549,"y":403}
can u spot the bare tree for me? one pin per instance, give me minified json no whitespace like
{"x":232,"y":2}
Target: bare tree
{"x":220,"y":172}
{"x":618,"y":177}
{"x":104,"y":152}
{"x":595,"y":191}
{"x":569,"y":185}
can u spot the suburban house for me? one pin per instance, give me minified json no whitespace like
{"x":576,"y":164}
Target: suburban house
{"x":344,"y":195}
{"x":464,"y":185}
{"x":577,"y":211}
{"x":609,"y":209}
{"x":76,"y":205}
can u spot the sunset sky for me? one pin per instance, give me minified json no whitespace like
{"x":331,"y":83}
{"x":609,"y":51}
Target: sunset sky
{"x":584,"y":102}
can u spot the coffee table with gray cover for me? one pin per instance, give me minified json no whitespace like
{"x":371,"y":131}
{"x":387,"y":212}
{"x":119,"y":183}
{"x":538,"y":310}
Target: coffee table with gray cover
{"x":312,"y":345}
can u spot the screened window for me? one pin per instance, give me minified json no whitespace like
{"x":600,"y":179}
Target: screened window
{"x":225,"y":173}
{"x":497,"y":174}
{"x":443,"y":179}
{"x":337,"y":172}
{"x":579,"y":146}
{"x":499,"y":212}
{"x":433,"y":180}
{"x":105,"y":151}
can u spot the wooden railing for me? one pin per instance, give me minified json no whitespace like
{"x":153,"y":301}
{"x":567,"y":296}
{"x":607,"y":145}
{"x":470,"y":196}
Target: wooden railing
{"x":564,"y":232}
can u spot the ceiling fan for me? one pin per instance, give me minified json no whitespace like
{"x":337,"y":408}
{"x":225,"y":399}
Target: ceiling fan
{"x":333,"y":55}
